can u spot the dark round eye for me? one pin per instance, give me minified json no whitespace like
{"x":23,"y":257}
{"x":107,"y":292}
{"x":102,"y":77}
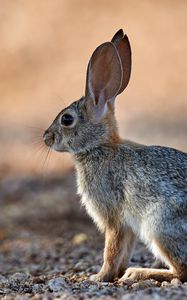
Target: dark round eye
{"x":67,"y":120}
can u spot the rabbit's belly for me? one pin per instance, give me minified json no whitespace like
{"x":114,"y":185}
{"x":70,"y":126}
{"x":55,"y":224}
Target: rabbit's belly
{"x":141,"y":228}
{"x":145,"y":232}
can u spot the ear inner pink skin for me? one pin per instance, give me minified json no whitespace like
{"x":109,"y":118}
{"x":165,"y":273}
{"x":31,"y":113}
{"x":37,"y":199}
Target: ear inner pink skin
{"x":104,"y":74}
{"x":124,"y":50}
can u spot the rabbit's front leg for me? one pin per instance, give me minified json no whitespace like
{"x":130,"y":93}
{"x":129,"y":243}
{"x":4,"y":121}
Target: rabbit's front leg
{"x":118,"y":244}
{"x":127,"y":251}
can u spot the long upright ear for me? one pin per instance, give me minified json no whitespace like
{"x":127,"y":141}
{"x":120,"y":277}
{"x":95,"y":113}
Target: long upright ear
{"x":123,"y":47}
{"x":104,"y":75}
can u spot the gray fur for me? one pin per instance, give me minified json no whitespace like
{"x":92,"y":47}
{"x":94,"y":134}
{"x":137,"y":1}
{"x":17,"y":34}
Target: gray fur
{"x":127,"y":184}
{"x":148,"y":183}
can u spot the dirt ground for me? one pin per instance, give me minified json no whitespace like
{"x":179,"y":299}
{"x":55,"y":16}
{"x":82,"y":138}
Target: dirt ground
{"x":49,"y":247}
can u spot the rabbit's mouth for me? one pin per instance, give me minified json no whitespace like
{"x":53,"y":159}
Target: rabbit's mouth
{"x":51,"y":139}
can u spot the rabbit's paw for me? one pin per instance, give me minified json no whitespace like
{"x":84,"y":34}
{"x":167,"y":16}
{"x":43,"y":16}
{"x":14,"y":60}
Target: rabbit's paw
{"x":101,"y":277}
{"x":134,"y":274}
{"x":146,"y":273}
{"x":94,"y":277}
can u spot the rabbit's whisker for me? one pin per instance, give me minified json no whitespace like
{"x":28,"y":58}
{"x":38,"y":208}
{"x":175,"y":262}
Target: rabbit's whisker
{"x":46,"y":159}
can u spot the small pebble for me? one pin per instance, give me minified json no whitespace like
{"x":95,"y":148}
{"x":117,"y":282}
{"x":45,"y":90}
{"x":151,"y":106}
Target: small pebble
{"x":141,"y":285}
{"x":79,"y":238}
{"x":18,"y":277}
{"x":176,"y":282}
{"x":57,"y":284}
{"x":104,"y":283}
{"x":165,"y":284}
{"x":36,"y":297}
{"x":3,"y":281}
{"x":38,"y":279}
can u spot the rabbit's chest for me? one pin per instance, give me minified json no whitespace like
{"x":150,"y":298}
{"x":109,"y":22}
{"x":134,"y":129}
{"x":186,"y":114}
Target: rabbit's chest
{"x":95,"y":197}
{"x":93,"y":210}
{"x":91,"y":200}
{"x":91,"y":186}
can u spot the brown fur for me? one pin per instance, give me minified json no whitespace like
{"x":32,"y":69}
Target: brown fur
{"x":176,"y":270}
{"x":146,"y":273}
{"x":119,"y":243}
{"x":124,"y":183}
{"x":110,"y":121}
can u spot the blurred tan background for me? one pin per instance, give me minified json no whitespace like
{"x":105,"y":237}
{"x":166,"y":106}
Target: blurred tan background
{"x":44,"y":50}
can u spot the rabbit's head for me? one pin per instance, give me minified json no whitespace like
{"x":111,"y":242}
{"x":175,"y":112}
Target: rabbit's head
{"x":90,"y":121}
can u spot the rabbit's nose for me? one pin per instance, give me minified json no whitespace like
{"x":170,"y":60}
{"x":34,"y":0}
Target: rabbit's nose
{"x":49,"y":138}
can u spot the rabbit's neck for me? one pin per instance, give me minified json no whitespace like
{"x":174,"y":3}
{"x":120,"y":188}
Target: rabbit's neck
{"x":93,"y":158}
{"x":89,"y":152}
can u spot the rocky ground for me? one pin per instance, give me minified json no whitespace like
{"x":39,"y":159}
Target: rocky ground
{"x":49,"y":248}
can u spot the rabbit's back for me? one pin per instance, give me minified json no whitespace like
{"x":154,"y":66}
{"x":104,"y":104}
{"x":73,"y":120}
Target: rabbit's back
{"x":160,"y":172}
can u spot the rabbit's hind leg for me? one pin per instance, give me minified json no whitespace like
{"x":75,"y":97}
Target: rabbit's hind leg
{"x":173,"y":251}
{"x":172,"y":254}
{"x":136,"y":274}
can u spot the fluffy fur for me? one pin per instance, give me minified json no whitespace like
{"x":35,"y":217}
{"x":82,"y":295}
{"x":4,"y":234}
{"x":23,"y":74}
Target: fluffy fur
{"x":128,"y":189}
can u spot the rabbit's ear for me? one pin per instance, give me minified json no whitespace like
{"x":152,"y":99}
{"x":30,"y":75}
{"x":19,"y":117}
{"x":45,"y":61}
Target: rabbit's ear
{"x":104,"y":76}
{"x":124,"y":50}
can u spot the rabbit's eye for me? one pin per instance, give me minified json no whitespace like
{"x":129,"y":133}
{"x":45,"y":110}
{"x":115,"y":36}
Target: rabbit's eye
{"x":67,"y":120}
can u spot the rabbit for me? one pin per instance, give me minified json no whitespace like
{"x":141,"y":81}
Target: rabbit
{"x":129,"y":190}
